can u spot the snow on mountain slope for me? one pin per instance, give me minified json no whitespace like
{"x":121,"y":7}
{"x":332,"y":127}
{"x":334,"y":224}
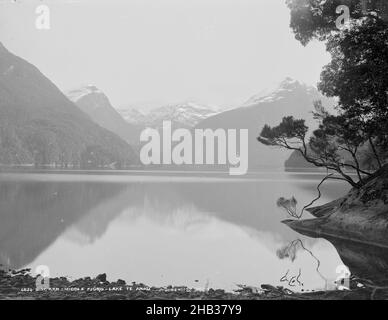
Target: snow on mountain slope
{"x":281,"y":91}
{"x":133,"y":116}
{"x":289,"y":98}
{"x":182,"y":115}
{"x":96,"y":104}
{"x":77,"y":94}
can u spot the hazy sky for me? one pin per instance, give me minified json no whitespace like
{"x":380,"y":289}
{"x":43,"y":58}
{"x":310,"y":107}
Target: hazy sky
{"x":145,"y":52}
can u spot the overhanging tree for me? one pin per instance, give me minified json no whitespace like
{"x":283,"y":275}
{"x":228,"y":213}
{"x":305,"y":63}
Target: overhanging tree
{"x":357,"y":75}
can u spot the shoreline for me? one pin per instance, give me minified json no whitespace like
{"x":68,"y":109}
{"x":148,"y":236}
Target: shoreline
{"x":21,"y":285}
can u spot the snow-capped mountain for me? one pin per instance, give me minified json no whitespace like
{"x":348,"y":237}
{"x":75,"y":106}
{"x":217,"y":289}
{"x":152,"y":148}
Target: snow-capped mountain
{"x":289,"y":98}
{"x":182,"y":115}
{"x":97,"y":106}
{"x":282,"y":91}
{"x":133,"y":116}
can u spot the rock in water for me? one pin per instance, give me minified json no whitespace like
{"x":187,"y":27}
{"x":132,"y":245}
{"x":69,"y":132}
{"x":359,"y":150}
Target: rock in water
{"x":101,"y":277}
{"x":361,"y":215}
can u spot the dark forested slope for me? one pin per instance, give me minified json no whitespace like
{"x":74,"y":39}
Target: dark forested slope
{"x":39,"y":125}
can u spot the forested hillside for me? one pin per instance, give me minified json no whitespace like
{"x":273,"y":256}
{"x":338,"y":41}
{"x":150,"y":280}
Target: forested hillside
{"x":39,"y":125}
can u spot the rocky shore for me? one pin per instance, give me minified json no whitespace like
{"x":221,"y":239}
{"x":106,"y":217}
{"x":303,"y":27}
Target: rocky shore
{"x":360,"y":216}
{"x":21,"y":285}
{"x":357,"y":226}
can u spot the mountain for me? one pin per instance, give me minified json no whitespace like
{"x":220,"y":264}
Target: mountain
{"x":133,"y":116}
{"x":289,"y":98}
{"x":182,"y":115}
{"x":40,"y":125}
{"x":96,"y":104}
{"x":296,"y":161}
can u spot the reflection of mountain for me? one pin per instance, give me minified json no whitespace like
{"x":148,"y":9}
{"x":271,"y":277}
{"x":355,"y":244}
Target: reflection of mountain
{"x":93,"y":224}
{"x":242,"y":204}
{"x":34,"y":214}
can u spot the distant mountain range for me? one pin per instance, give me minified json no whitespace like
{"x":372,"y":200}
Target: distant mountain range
{"x":128,"y":123}
{"x":40,"y":125}
{"x":182,"y":115}
{"x":289,"y":98}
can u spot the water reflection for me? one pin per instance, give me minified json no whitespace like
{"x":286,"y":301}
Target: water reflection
{"x":366,"y":263}
{"x":162,"y":231}
{"x":34,"y":214}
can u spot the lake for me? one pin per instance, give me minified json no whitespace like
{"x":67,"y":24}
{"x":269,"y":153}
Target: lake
{"x":200,"y":230}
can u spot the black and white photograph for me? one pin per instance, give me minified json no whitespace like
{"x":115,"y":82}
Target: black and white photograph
{"x":207,"y":151}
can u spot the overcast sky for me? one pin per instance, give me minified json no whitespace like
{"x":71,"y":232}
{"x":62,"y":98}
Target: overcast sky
{"x":152,"y":52}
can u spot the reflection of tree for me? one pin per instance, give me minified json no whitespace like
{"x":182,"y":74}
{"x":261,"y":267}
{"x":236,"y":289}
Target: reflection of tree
{"x":290,"y":204}
{"x":289,"y":251}
{"x":367,"y":263}
{"x":293,"y":280}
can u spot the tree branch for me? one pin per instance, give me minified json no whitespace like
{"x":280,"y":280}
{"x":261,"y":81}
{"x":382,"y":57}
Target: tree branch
{"x":375,"y":152}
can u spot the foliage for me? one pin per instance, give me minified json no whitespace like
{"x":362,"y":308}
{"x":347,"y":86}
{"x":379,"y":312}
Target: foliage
{"x":356,"y":75}
{"x":316,"y":19}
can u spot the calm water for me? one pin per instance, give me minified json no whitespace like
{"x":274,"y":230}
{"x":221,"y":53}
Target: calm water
{"x":195,"y":230}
